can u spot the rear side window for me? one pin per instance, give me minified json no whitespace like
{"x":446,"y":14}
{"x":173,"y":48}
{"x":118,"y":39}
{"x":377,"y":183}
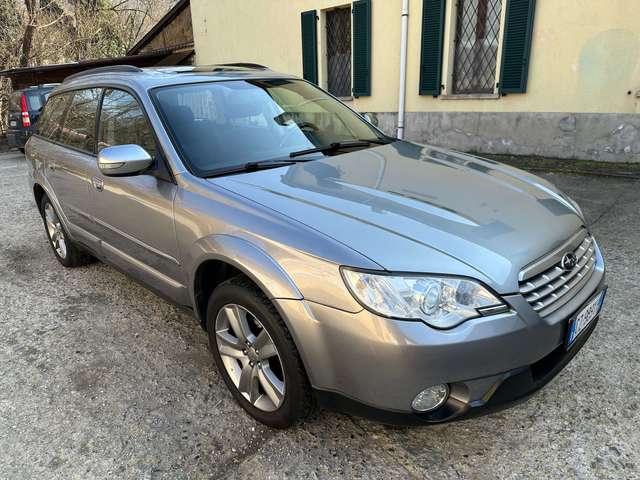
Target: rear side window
{"x":50,"y":123}
{"x":80,"y":123}
{"x":34,"y":101}
{"x":123,"y":122}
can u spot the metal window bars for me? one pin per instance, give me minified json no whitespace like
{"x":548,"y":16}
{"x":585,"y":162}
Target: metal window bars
{"x":339,"y":51}
{"x":476,"y":46}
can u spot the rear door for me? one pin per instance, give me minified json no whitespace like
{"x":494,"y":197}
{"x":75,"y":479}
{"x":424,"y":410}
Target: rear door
{"x":71,"y":163}
{"x":134,"y":214}
{"x":14,"y":120}
{"x":28,"y":101}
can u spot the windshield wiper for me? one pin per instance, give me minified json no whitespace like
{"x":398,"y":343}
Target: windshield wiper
{"x":253,"y":167}
{"x":335,"y":146}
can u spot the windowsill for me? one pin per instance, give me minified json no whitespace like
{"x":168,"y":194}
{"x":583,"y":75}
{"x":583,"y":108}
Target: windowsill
{"x":470,"y":96}
{"x":345,"y":99}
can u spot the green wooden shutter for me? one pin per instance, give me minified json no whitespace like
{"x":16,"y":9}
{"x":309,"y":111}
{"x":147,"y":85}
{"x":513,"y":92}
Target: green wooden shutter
{"x":362,"y":48}
{"x":433,"y":15}
{"x":310,"y":46}
{"x":516,"y":49}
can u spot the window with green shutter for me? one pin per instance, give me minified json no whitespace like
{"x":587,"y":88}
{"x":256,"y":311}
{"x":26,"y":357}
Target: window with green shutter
{"x":516,"y":46}
{"x":310,"y":46}
{"x":361,"y":48}
{"x":433,"y":17}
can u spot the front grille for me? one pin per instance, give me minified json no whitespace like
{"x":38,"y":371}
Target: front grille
{"x":547,"y":286}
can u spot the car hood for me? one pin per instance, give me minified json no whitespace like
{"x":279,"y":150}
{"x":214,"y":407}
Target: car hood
{"x":413,"y":208}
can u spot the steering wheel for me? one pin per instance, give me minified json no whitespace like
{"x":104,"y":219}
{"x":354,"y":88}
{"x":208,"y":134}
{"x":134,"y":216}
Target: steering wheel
{"x":301,"y":126}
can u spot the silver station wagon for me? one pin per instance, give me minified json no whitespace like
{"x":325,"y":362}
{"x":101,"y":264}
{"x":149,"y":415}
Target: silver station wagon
{"x":331,"y":265}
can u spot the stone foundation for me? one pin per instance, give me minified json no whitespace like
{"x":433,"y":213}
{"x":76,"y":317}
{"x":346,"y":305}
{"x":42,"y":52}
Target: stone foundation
{"x":611,"y":137}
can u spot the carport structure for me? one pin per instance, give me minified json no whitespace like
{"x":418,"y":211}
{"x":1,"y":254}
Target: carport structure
{"x":168,"y":42}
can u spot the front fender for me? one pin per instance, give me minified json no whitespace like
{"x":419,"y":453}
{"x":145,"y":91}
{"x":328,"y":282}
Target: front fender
{"x":249,"y":259}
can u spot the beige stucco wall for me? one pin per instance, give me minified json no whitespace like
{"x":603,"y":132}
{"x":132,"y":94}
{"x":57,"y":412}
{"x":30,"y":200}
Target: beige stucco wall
{"x":585,"y":55}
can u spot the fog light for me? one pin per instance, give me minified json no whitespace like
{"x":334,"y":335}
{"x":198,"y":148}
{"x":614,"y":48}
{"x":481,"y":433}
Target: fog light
{"x":431,"y":398}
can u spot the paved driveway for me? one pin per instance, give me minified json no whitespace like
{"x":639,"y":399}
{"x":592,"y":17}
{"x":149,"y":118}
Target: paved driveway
{"x":101,"y":379}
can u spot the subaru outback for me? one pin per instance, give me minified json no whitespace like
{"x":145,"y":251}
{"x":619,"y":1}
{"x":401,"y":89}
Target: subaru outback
{"x":330,"y":264}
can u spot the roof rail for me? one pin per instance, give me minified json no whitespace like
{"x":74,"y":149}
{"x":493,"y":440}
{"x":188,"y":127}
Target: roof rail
{"x":255,"y":66}
{"x":108,"y":69}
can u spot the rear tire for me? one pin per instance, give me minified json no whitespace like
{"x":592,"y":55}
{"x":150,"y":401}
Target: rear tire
{"x":66,"y":251}
{"x":293,"y":397}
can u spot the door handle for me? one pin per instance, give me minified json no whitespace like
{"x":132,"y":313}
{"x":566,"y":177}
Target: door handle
{"x":98,"y":184}
{"x":52,"y":166}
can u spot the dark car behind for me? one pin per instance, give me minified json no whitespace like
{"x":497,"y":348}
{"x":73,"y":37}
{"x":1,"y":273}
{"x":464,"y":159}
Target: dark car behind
{"x":24,"y":109}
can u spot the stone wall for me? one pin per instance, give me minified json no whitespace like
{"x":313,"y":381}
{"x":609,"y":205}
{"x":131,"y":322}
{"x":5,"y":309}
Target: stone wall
{"x":585,"y":136}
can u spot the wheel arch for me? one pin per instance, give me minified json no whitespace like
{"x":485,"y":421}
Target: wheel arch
{"x":220,"y":257}
{"x":38,"y":193}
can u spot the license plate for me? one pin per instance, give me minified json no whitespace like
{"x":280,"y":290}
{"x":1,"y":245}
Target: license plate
{"x":13,"y":124}
{"x":584,"y":318}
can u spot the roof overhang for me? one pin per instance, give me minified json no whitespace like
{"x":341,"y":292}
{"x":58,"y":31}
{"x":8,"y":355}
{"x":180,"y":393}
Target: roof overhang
{"x":28,"y":76}
{"x":158,"y":27}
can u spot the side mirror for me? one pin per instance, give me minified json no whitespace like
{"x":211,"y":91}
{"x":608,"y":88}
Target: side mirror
{"x":123,"y":160}
{"x":368,"y":118}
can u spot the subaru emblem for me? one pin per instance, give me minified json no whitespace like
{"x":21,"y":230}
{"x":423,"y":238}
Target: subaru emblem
{"x":569,"y":261}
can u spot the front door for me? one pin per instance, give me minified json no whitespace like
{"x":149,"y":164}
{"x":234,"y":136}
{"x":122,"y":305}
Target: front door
{"x":134,"y":214}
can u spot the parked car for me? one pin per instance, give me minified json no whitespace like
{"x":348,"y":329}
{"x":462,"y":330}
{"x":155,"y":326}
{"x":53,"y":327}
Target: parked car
{"x":24,"y":109}
{"x":330,"y":264}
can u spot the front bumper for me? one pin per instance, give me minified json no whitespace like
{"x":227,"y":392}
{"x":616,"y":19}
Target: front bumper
{"x":374,"y":366}
{"x":504,"y":391}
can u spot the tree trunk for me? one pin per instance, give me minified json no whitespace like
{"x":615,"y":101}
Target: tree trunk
{"x":29,"y":31}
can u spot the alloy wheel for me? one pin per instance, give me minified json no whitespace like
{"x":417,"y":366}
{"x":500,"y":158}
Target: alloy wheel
{"x":55,"y":231}
{"x":250,"y":357}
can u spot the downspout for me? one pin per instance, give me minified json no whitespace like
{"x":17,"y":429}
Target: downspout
{"x":403,"y":67}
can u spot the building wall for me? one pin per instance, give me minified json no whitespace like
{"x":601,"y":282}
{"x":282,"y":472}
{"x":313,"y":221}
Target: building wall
{"x":583,"y":95}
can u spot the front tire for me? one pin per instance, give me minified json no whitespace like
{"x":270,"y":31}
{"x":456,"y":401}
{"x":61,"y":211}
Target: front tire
{"x":256,"y":355}
{"x":66,"y":251}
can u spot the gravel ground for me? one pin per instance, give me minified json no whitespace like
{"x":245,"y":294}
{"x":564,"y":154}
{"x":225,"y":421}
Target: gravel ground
{"x":101,"y":379}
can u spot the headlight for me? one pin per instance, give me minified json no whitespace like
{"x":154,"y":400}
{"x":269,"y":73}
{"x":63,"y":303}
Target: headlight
{"x":442,"y":302}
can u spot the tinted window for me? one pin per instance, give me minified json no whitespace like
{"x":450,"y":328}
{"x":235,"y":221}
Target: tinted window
{"x":34,"y":101}
{"x":50,"y":123}
{"x":80,"y":123}
{"x":221,"y":125}
{"x":123,"y":122}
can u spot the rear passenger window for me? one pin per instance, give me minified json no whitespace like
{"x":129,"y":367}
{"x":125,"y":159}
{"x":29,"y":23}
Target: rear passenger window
{"x":35,"y":101}
{"x":123,"y":122}
{"x":80,"y":124}
{"x":50,"y":122}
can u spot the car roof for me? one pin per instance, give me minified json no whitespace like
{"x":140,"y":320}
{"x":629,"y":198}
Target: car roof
{"x":147,"y":78}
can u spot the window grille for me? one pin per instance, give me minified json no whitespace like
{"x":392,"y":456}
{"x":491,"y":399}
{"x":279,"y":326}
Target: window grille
{"x":339,"y":51}
{"x":476,"y":46}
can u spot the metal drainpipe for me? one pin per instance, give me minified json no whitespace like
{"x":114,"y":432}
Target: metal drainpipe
{"x":403,"y":67}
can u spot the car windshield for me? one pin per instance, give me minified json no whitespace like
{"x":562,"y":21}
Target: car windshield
{"x":223,"y":125}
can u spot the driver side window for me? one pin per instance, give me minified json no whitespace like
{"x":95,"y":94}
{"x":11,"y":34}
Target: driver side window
{"x":123,"y":122}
